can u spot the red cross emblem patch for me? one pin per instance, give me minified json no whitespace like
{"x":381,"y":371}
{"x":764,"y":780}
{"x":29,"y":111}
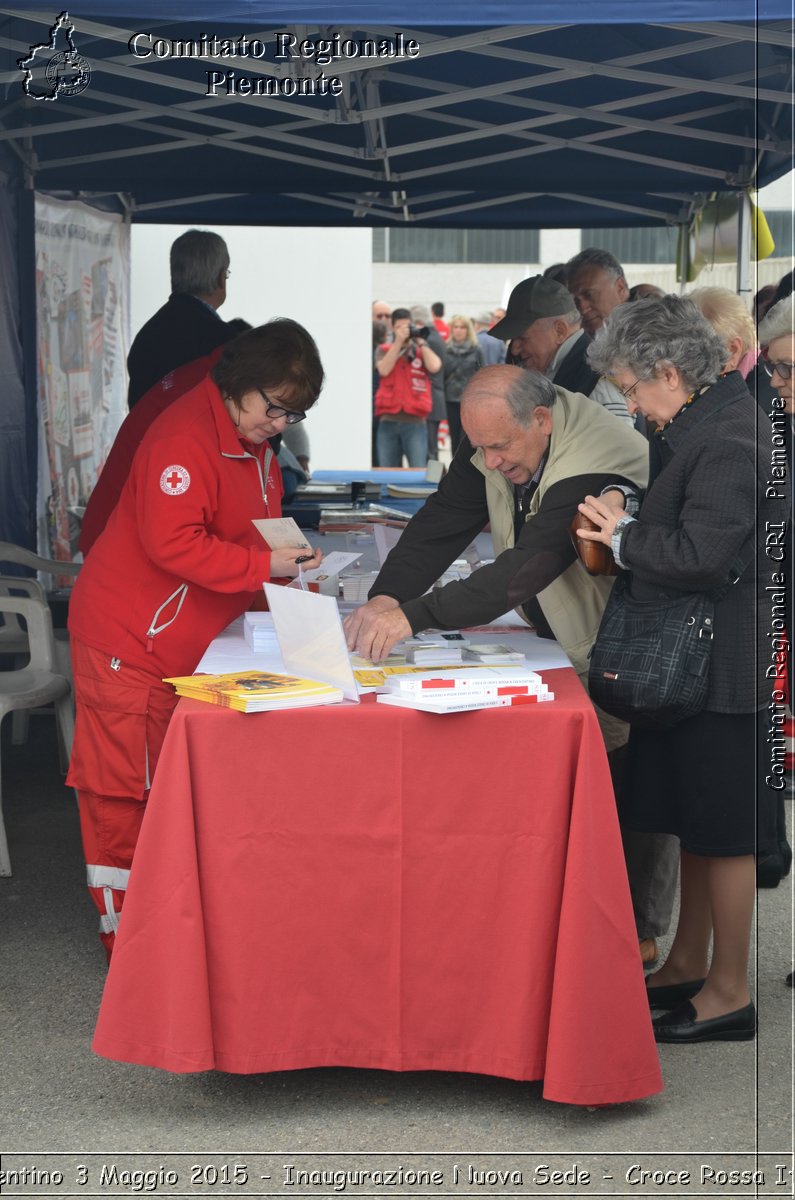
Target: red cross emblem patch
{"x":174,"y":481}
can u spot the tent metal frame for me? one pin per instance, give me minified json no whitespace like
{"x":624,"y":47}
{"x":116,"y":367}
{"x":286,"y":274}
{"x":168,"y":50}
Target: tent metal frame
{"x":383,"y":172}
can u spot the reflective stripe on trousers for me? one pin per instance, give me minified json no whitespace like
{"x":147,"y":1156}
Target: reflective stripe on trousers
{"x":107,"y":886}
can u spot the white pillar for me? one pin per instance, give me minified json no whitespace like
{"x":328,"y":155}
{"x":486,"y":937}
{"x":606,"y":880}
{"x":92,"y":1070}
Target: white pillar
{"x":744,"y":283}
{"x":558,"y":245}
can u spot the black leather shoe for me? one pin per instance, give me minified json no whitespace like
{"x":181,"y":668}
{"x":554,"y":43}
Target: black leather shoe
{"x":670,"y":994}
{"x":681,"y":1026}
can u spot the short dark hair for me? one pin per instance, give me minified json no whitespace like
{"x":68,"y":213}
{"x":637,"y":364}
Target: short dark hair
{"x":592,"y":256}
{"x":279,"y":354}
{"x":785,"y":286}
{"x":238,"y":325}
{"x":437,"y":308}
{"x":197,"y":259}
{"x":558,"y":272}
{"x":400,"y":314}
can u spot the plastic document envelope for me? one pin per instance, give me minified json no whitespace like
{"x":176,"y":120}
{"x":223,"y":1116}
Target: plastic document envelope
{"x":311,"y":637}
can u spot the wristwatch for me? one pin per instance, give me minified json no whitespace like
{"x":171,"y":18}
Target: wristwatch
{"x":615,"y":540}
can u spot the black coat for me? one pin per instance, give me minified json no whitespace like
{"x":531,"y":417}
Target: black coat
{"x":767,"y":398}
{"x":438,"y":407}
{"x":460,"y":364}
{"x":185,"y":328}
{"x":574,"y":373}
{"x":710,"y":499}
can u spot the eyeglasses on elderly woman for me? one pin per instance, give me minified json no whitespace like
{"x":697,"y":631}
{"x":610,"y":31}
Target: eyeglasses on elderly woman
{"x":782,"y":369}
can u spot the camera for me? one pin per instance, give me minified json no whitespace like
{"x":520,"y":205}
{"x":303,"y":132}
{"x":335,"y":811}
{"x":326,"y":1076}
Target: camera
{"x":418,"y":331}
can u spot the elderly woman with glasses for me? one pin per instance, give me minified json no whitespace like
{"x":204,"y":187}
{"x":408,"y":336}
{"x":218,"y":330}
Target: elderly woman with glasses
{"x":777,"y":334}
{"x":177,"y":561}
{"x":695,"y":530}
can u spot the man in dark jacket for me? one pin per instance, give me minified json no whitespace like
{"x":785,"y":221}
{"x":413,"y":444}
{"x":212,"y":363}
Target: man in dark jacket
{"x":187,"y":326}
{"x":422,"y":317}
{"x":544,"y":333}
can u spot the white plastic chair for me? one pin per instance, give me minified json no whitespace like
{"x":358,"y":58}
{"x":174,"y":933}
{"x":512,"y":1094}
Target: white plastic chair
{"x":26,"y":558}
{"x":13,"y":635}
{"x":34,"y":685}
{"x":14,"y":641}
{"x":13,"y":638}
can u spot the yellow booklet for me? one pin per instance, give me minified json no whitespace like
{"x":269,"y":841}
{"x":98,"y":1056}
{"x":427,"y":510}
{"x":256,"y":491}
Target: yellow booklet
{"x":256,"y":691}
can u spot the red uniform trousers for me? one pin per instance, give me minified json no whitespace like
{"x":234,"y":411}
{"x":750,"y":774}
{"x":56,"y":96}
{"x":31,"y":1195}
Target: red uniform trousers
{"x":122,"y":714}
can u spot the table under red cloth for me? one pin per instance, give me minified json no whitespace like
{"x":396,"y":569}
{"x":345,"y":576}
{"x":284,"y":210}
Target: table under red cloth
{"x":367,"y":886}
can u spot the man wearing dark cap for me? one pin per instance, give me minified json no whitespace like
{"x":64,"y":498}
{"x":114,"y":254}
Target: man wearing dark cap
{"x":544,"y":332}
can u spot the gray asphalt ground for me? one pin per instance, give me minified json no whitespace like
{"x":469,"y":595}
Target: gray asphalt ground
{"x":58,"y":1101}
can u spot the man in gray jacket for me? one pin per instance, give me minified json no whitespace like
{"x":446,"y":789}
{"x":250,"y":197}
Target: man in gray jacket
{"x":531,"y":453}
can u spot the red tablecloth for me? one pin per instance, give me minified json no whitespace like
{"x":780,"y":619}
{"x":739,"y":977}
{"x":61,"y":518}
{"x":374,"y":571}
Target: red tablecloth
{"x":367,"y":886}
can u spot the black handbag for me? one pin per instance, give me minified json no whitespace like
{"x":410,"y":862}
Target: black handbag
{"x":649,"y":664}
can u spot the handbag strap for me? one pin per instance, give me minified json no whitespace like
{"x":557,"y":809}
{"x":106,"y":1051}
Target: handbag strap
{"x":738,"y":567}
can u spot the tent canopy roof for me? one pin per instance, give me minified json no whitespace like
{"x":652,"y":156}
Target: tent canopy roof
{"x":496,"y":122}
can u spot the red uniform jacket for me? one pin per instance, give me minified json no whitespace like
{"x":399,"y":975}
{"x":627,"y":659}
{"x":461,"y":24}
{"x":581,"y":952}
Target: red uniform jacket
{"x":179,"y":558}
{"x":407,"y":388}
{"x":116,"y":469}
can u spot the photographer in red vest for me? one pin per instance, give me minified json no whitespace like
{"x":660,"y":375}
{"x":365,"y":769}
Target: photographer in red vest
{"x":403,"y":400}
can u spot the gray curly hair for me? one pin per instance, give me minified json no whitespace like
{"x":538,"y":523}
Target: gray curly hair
{"x":778,"y":321}
{"x":647,"y":335}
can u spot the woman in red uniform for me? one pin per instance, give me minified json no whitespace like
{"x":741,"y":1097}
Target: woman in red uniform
{"x":178,"y":560}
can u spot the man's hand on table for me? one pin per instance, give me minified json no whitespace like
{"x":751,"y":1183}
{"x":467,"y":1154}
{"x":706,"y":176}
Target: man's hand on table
{"x":374,"y":628}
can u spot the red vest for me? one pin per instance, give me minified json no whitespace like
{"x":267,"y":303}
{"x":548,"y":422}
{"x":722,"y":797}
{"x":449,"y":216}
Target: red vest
{"x":407,"y":388}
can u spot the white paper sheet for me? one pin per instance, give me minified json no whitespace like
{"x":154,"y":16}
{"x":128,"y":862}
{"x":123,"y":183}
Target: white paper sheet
{"x":333,"y":564}
{"x":281,"y":533}
{"x":311,"y":638}
{"x":541,"y":654}
{"x":230,"y":651}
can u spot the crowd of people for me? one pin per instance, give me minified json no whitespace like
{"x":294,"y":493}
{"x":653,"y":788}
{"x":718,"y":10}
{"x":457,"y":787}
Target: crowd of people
{"x":548,"y":326}
{"x":657,"y":417}
{"x":704,"y":394}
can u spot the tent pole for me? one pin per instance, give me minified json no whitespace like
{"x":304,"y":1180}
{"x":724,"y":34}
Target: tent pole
{"x":743,"y":245}
{"x":683,"y":246}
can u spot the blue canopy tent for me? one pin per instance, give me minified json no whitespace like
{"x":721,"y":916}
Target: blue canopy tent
{"x":506,"y":117}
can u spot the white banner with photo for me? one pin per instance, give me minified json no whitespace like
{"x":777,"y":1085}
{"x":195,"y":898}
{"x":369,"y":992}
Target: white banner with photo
{"x":82,"y":308}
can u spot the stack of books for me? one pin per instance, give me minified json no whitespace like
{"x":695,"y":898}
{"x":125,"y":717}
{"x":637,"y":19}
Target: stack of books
{"x":340,"y":520}
{"x":468,"y":688}
{"x":431,"y":654}
{"x":356,"y":587}
{"x":492,"y":654}
{"x":259,"y":632}
{"x":256,"y":691}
